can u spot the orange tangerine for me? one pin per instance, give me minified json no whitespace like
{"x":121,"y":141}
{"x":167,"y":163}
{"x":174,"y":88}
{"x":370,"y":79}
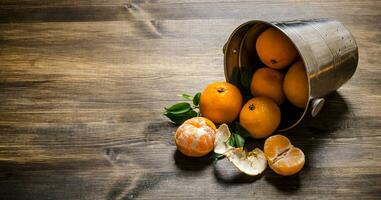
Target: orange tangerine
{"x":195,"y":137}
{"x":275,"y":49}
{"x":282,"y":156}
{"x":221,"y":102}
{"x":268,"y":82}
{"x":295,"y":85}
{"x":260,"y":116}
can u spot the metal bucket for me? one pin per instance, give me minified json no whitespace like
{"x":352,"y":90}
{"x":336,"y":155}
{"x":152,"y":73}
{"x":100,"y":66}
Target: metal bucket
{"x":326,"y":47}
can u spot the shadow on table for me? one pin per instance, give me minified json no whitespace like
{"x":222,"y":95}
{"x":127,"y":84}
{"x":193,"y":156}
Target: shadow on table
{"x":330,"y":118}
{"x":191,"y":164}
{"x":287,"y":184}
{"x":226,"y":173}
{"x":309,"y":136}
{"x":313,"y":132}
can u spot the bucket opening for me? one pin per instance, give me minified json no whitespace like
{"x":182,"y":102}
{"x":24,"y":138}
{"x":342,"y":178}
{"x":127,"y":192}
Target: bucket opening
{"x":241,"y":55}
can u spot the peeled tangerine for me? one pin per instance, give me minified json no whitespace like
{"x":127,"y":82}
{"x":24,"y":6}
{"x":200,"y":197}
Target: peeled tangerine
{"x":282,"y":156}
{"x":195,"y":137}
{"x":251,"y":163}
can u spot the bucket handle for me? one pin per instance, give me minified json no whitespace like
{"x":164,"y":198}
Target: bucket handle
{"x":316,"y":106}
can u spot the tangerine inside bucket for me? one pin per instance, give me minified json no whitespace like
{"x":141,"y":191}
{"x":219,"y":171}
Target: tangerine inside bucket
{"x":242,"y":60}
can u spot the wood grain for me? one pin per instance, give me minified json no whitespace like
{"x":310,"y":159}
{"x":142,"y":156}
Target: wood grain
{"x":83,"y":85}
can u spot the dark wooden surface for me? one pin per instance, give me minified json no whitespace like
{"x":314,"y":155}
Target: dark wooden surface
{"x":83,"y":85}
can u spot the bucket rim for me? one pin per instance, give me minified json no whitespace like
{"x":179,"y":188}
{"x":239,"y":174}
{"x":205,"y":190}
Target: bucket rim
{"x":272,"y":24}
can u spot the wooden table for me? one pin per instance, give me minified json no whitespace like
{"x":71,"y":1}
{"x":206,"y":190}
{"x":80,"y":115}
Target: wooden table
{"x":83,"y":85}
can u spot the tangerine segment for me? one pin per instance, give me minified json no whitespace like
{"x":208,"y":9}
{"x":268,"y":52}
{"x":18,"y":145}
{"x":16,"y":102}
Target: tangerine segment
{"x":210,"y":123}
{"x":195,"y":137}
{"x":268,"y":83}
{"x":282,"y":156}
{"x":260,"y":116}
{"x":221,"y":102}
{"x":276,"y":145}
{"x":290,"y":164}
{"x":275,"y":49}
{"x":295,"y":85}
{"x":196,"y":123}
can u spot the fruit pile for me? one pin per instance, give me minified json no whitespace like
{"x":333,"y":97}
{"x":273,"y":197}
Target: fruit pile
{"x":282,"y":78}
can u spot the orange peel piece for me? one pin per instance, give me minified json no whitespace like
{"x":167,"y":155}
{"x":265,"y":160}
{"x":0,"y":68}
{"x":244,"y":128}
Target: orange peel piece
{"x":251,"y":163}
{"x":222,"y":136}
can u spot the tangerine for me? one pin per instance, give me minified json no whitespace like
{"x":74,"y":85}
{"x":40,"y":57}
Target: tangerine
{"x":282,"y":156}
{"x":195,"y":137}
{"x":275,"y":49}
{"x":260,"y":116}
{"x":268,"y":83}
{"x":221,"y":102}
{"x":295,"y":85}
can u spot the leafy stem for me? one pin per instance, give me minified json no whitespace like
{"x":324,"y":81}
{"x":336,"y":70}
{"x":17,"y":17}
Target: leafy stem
{"x":182,"y":111}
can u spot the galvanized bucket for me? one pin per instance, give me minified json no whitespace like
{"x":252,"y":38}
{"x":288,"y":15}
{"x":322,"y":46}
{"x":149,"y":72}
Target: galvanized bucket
{"x":327,"y":48}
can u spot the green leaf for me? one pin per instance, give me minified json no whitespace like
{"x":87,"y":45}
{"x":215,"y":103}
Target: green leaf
{"x":246,"y":75}
{"x":179,"y":118}
{"x":178,"y":107}
{"x":231,"y":141}
{"x":180,"y":111}
{"x":196,"y":99}
{"x":217,"y":156}
{"x":239,"y":140}
{"x":186,"y":96}
{"x":240,"y":130}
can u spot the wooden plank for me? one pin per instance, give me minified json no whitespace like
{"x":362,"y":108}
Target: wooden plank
{"x":82,"y":90}
{"x":141,"y":10}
